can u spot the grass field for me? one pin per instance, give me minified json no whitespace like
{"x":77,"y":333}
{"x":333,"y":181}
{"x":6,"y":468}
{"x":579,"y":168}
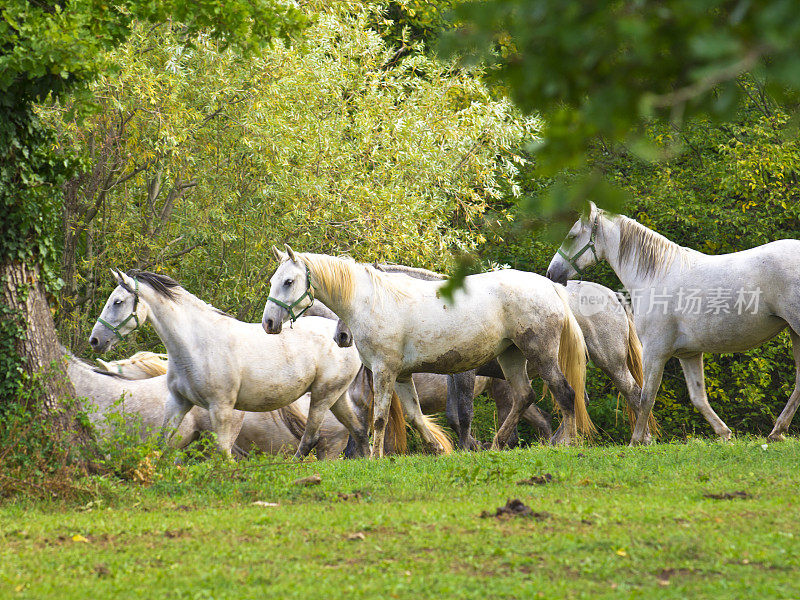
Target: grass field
{"x":612,"y":522}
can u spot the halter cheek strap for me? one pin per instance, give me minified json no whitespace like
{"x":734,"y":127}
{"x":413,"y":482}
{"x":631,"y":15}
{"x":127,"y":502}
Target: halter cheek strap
{"x":573,"y":260}
{"x":309,"y":293}
{"x":115,"y":328}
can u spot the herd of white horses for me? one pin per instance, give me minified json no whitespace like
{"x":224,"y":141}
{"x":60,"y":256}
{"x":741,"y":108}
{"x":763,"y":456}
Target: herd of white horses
{"x":369,"y":346}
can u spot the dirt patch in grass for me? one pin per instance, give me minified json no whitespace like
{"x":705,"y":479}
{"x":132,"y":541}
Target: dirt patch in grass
{"x":728,"y":495}
{"x":515,"y":508}
{"x":536,"y":480}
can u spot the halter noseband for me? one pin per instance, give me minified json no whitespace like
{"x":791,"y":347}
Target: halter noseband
{"x":588,"y":246}
{"x":115,"y":328}
{"x":309,"y":292}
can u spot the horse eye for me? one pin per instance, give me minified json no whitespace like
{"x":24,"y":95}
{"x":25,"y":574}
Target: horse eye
{"x":117,"y":302}
{"x":288,"y":282}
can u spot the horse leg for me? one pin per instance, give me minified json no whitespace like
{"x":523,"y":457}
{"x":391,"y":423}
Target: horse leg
{"x":785,"y":418}
{"x":695,"y":381}
{"x":653,"y":372}
{"x":223,"y":424}
{"x":175,"y":409}
{"x":513,"y":363}
{"x":410,"y":401}
{"x":316,"y":413}
{"x":503,"y":401}
{"x":384,"y":382}
{"x":460,"y":408}
{"x":344,"y":411}
{"x":623,"y":380}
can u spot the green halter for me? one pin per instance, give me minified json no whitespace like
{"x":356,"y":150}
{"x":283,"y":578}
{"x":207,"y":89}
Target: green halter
{"x":589,"y":246}
{"x":309,"y":292}
{"x":115,"y":328}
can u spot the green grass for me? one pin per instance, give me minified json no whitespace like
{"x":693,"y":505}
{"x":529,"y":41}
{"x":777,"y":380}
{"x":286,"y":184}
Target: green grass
{"x":622,"y":522}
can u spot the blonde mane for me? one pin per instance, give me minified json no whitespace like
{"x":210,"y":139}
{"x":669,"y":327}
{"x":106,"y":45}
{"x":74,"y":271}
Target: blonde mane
{"x":337,"y":275}
{"x":653,"y":251}
{"x":152,"y":363}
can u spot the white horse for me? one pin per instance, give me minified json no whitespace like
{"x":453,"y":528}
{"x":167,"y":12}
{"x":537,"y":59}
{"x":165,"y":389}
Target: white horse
{"x":686,"y":302}
{"x":222,"y":364}
{"x":274,"y":432}
{"x":401,"y":326}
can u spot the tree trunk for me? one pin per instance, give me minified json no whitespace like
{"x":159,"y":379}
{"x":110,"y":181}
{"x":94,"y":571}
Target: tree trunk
{"x":40,"y":350}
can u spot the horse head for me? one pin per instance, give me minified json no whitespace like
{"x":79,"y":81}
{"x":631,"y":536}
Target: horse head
{"x":121,"y":315}
{"x":577,"y":253}
{"x":290,"y":292}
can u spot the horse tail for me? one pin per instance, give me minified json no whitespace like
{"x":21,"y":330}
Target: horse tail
{"x":396,"y":439}
{"x":635,"y":365}
{"x":572,"y":355}
{"x":396,"y":428}
{"x":293,"y":419}
{"x":439,"y":434}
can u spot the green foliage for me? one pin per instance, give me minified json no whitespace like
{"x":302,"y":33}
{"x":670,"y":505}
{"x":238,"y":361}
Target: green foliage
{"x":604,"y":69}
{"x":403,"y":23}
{"x":52,"y":47}
{"x":34,"y":462}
{"x":327,"y":145}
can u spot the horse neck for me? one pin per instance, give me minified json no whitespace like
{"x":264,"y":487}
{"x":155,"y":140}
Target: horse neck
{"x":344,"y":309}
{"x":608,"y":242}
{"x":177,"y":322}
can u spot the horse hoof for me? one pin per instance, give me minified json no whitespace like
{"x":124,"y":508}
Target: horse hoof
{"x":776,"y":437}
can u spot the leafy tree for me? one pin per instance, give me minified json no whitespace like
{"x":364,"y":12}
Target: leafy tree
{"x":604,"y":70}
{"x":48,"y":48}
{"x":199,"y":160}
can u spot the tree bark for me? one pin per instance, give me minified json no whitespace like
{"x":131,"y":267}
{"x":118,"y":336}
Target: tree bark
{"x":41,"y":352}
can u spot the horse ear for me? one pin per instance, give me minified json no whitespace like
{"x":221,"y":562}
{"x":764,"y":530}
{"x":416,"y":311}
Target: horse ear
{"x":116,"y":275}
{"x":279,"y":256}
{"x":123,"y":278}
{"x":592,"y":210}
{"x":290,"y":252}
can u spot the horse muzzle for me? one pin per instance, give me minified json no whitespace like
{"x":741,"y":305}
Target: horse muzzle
{"x":271,"y":325}
{"x":343,"y":339}
{"x":557,"y":274}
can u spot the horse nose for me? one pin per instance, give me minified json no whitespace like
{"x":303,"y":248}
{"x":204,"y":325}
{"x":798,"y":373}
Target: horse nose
{"x":93,"y":342}
{"x":269,"y":325}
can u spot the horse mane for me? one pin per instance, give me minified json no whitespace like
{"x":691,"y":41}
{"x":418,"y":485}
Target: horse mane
{"x":150,"y":362}
{"x":654,"y":252}
{"x":168,"y":288}
{"x":415,"y":272}
{"x":162,"y":284}
{"x":338,"y":276}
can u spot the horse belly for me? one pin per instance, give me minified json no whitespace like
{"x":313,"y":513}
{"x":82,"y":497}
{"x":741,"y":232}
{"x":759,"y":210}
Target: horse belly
{"x":453,"y":360}
{"x":264,"y":393}
{"x":718,"y":336}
